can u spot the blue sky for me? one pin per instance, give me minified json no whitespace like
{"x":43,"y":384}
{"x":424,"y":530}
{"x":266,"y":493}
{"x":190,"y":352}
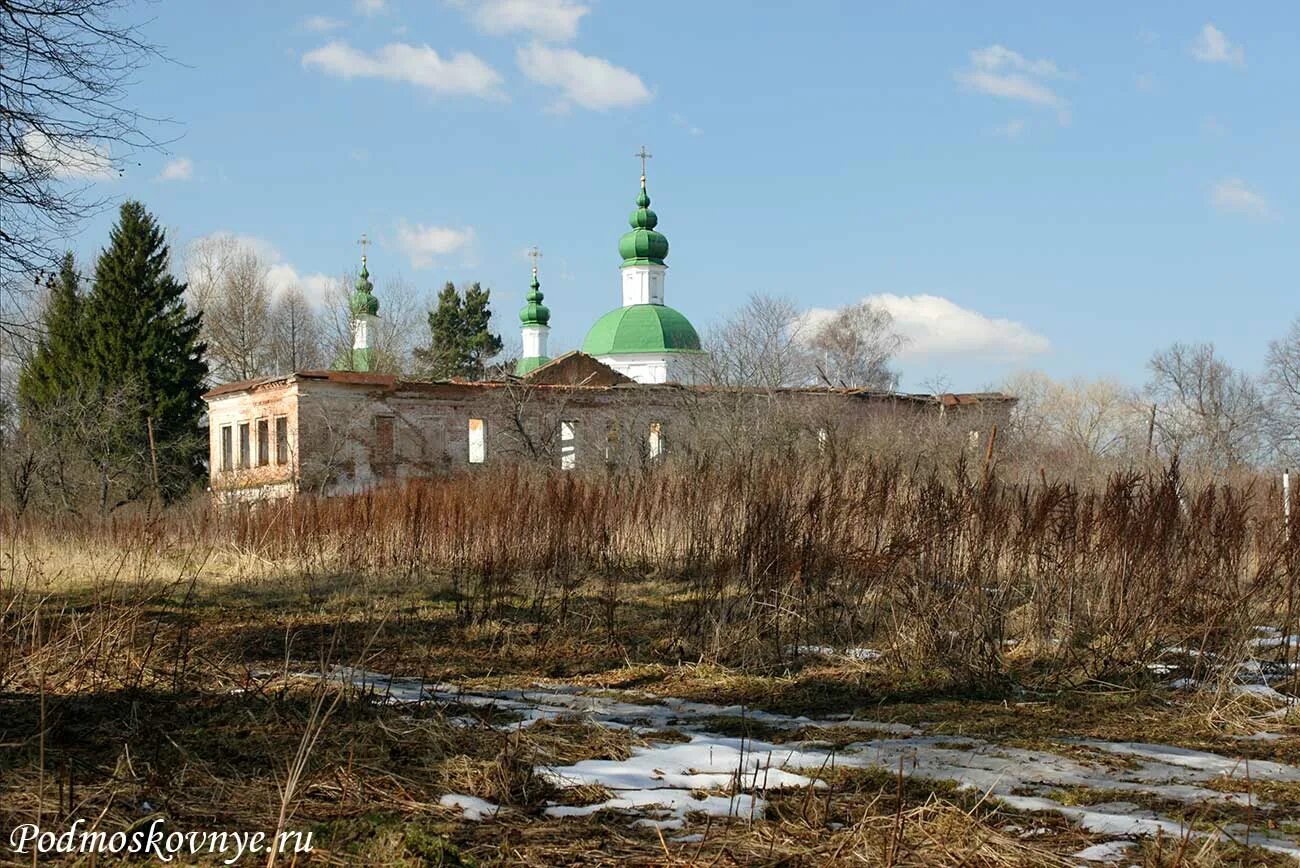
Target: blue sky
{"x":1024,"y":188}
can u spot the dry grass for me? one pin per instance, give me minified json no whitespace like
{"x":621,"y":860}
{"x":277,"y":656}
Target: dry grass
{"x":149,"y":659}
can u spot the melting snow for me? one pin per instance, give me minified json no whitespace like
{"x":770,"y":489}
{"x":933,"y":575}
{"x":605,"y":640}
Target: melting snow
{"x":471,"y":807}
{"x":1110,"y":851}
{"x":724,"y":776}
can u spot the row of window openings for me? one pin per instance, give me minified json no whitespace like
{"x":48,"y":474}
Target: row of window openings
{"x":568,"y":442}
{"x":263,"y":443}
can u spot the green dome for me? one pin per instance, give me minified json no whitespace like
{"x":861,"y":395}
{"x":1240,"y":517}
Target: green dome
{"x":643,"y":244}
{"x":534,"y":312}
{"x":363,"y":300}
{"x":641,"y":328}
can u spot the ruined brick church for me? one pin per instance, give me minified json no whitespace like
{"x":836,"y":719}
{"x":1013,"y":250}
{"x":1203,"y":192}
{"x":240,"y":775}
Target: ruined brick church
{"x":632,"y":394}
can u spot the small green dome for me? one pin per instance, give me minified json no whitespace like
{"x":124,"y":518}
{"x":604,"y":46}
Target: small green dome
{"x":641,"y":328}
{"x":534,"y":312}
{"x":363,"y":301}
{"x":643,"y":244}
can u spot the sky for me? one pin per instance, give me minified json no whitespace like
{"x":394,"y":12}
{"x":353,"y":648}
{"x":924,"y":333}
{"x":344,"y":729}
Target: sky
{"x":1022,"y":188}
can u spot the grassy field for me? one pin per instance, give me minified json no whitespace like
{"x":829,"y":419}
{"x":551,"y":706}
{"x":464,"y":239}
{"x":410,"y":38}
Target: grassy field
{"x":195,"y":666}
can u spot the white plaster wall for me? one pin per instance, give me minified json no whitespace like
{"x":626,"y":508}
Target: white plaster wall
{"x":643,"y":284}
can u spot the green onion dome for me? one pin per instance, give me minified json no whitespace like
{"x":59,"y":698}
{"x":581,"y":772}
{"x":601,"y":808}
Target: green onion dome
{"x":643,"y":244}
{"x":641,"y":328}
{"x":363,"y":301}
{"x":534,"y":312}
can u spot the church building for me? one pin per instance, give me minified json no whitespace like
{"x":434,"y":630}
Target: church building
{"x":632,"y":394}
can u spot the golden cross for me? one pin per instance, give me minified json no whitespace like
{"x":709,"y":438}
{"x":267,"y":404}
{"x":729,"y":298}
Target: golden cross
{"x":534,"y":254}
{"x":364,"y":242}
{"x":644,"y":156}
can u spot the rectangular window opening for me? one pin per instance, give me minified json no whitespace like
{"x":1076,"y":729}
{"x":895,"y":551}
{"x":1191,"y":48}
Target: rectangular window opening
{"x":568,"y":445}
{"x":243,"y":446}
{"x":655,"y":442}
{"x":227,"y":448}
{"x":477,"y":441}
{"x":263,"y":442}
{"x":281,"y":439}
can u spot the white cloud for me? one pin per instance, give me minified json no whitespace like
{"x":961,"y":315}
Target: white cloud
{"x":934,"y":326}
{"x":179,"y":169}
{"x":370,"y":8}
{"x":67,"y":159}
{"x":591,"y":82}
{"x":321,"y":23}
{"x":552,"y":20}
{"x":422,"y":244}
{"x":1001,"y":72}
{"x":1212,"y":46}
{"x":1232,"y":196}
{"x":319,"y":289}
{"x":420,"y":65}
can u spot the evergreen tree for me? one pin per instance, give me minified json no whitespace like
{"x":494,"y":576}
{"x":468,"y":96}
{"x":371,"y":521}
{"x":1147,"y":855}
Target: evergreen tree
{"x":480,"y":344}
{"x":141,"y":340}
{"x":460,"y":337}
{"x":56,"y":368}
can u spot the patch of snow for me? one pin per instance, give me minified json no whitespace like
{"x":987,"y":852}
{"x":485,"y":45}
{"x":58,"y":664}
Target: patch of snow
{"x":724,"y":776}
{"x":1110,"y":851}
{"x":471,"y":807}
{"x":1263,"y":691}
{"x":668,"y":808}
{"x":706,"y":762}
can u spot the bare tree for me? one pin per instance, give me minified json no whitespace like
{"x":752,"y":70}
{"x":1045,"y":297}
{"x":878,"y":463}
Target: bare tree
{"x":854,"y":347}
{"x":403,"y":312}
{"x":761,"y":345}
{"x":65,"y":68}
{"x":1078,"y":419}
{"x":295,"y":333}
{"x":228,"y":281}
{"x":1282,"y":380}
{"x":1207,"y":411}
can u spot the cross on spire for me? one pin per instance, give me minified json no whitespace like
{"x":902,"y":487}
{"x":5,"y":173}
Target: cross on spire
{"x":364,"y":242}
{"x":644,"y":155}
{"x":534,"y":254}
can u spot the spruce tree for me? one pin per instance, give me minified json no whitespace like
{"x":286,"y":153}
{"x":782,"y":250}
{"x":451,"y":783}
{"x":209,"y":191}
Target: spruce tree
{"x":55,"y":372}
{"x":142,"y":342}
{"x":460,"y":338}
{"x":480,"y":344}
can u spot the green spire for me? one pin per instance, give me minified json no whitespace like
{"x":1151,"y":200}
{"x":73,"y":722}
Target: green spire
{"x":643,"y":244}
{"x":534,"y":312}
{"x":363,"y":300}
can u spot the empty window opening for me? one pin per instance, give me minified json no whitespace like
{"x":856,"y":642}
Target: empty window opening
{"x":243,"y":446}
{"x":655,"y":443}
{"x":281,"y":439}
{"x":568,"y":445}
{"x":227,"y":448}
{"x":477,"y":441}
{"x":263,"y":442}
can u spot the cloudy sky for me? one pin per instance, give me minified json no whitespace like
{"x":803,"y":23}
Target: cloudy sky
{"x":1019,"y":186}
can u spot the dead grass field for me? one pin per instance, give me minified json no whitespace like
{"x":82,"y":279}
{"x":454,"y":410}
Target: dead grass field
{"x":185,"y":667}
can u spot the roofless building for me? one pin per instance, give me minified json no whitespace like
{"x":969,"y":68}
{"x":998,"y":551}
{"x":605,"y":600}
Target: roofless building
{"x":629,"y":396}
